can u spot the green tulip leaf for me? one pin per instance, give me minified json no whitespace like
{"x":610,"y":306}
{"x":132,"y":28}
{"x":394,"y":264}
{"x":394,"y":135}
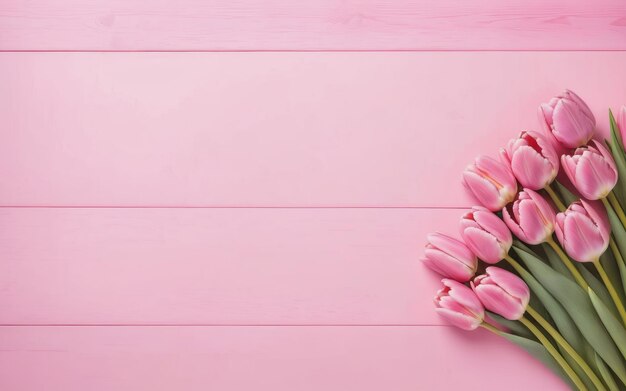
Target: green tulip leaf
{"x":622,"y":272}
{"x":585,"y":350}
{"x":618,"y":230}
{"x":613,"y":326}
{"x":537,"y":350}
{"x":567,"y":195}
{"x":619,"y":234}
{"x":591,"y":279}
{"x":615,"y":147}
{"x":580,"y":309}
{"x":599,"y":288}
{"x":614,"y":129}
{"x":562,"y":321}
{"x":555,"y":261}
{"x":558,"y":265}
{"x":560,"y":317}
{"x":535,"y":301}
{"x":513,"y":326}
{"x":605,"y":373}
{"x":614,"y":271}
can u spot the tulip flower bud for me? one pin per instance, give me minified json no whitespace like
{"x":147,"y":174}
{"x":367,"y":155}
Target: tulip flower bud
{"x":568,"y":119}
{"x":533,"y":160}
{"x":449,"y":257}
{"x":459,"y":305}
{"x":530,"y":217}
{"x":584,"y":230}
{"x":486,"y":235}
{"x":502,"y":292}
{"x":491,"y":182}
{"x":591,"y":170}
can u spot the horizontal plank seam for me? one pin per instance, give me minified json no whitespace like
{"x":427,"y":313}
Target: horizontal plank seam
{"x":221,"y":207}
{"x":296,"y":50}
{"x":212,"y":325}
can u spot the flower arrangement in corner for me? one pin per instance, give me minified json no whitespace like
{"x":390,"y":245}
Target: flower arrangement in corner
{"x":561,"y":299}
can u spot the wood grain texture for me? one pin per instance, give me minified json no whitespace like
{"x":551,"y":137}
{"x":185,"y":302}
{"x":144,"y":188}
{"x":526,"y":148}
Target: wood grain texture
{"x":218,"y":266}
{"x":317,"y":25}
{"x":293,"y":129}
{"x":264,"y":358}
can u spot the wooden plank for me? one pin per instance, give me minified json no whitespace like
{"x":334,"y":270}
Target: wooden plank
{"x":318,"y":25}
{"x":272,"y":129}
{"x":264,"y":358}
{"x":218,"y":266}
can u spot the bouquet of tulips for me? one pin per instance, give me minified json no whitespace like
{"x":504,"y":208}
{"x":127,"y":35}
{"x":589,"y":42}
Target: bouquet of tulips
{"x":562,"y":299}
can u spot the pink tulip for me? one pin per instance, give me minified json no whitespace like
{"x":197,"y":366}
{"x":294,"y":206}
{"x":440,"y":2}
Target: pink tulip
{"x":459,"y":305}
{"x":583,"y":230}
{"x":502,"y":292}
{"x":486,"y":235}
{"x":621,"y":123}
{"x":449,"y":257}
{"x":530,"y":217}
{"x":533,"y":160}
{"x":491,"y":182}
{"x":591,"y":170}
{"x":568,"y":119}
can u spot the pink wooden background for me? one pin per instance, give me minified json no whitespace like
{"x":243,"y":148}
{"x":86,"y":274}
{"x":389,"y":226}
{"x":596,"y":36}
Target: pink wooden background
{"x":233,"y":195}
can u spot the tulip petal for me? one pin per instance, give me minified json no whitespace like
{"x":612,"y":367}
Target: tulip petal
{"x":531,"y":169}
{"x":569,"y":94}
{"x":512,"y":224}
{"x":595,"y":178}
{"x":483,"y":190}
{"x":467,"y":220}
{"x":483,"y":244}
{"x":449,"y":303}
{"x":492,"y":224}
{"x":459,"y":305}
{"x":511,"y":283}
{"x":546,"y":112}
{"x":598,"y":215}
{"x":605,"y":153}
{"x":454,"y":247}
{"x":547,"y":149}
{"x":461,"y":321}
{"x":544,"y":207}
{"x":447,"y":266}
{"x":496,"y":171}
{"x":569,"y":167}
{"x":465,"y":296}
{"x":583,"y":241}
{"x":570,"y":126}
{"x":533,"y":224}
{"x":497,"y":300}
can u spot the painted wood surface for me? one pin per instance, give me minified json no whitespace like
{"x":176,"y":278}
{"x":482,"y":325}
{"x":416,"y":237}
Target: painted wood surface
{"x":312,"y":25}
{"x":263,"y":358}
{"x":218,"y":266}
{"x":234,"y":221}
{"x":293,"y":129}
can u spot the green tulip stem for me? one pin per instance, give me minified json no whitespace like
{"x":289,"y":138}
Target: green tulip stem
{"x":612,"y":291}
{"x":567,"y":347}
{"x":616,"y":251}
{"x":554,"y":353}
{"x":555,"y":198}
{"x":618,"y":209}
{"x":568,"y":263}
{"x":491,"y":328}
{"x":518,"y":268}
